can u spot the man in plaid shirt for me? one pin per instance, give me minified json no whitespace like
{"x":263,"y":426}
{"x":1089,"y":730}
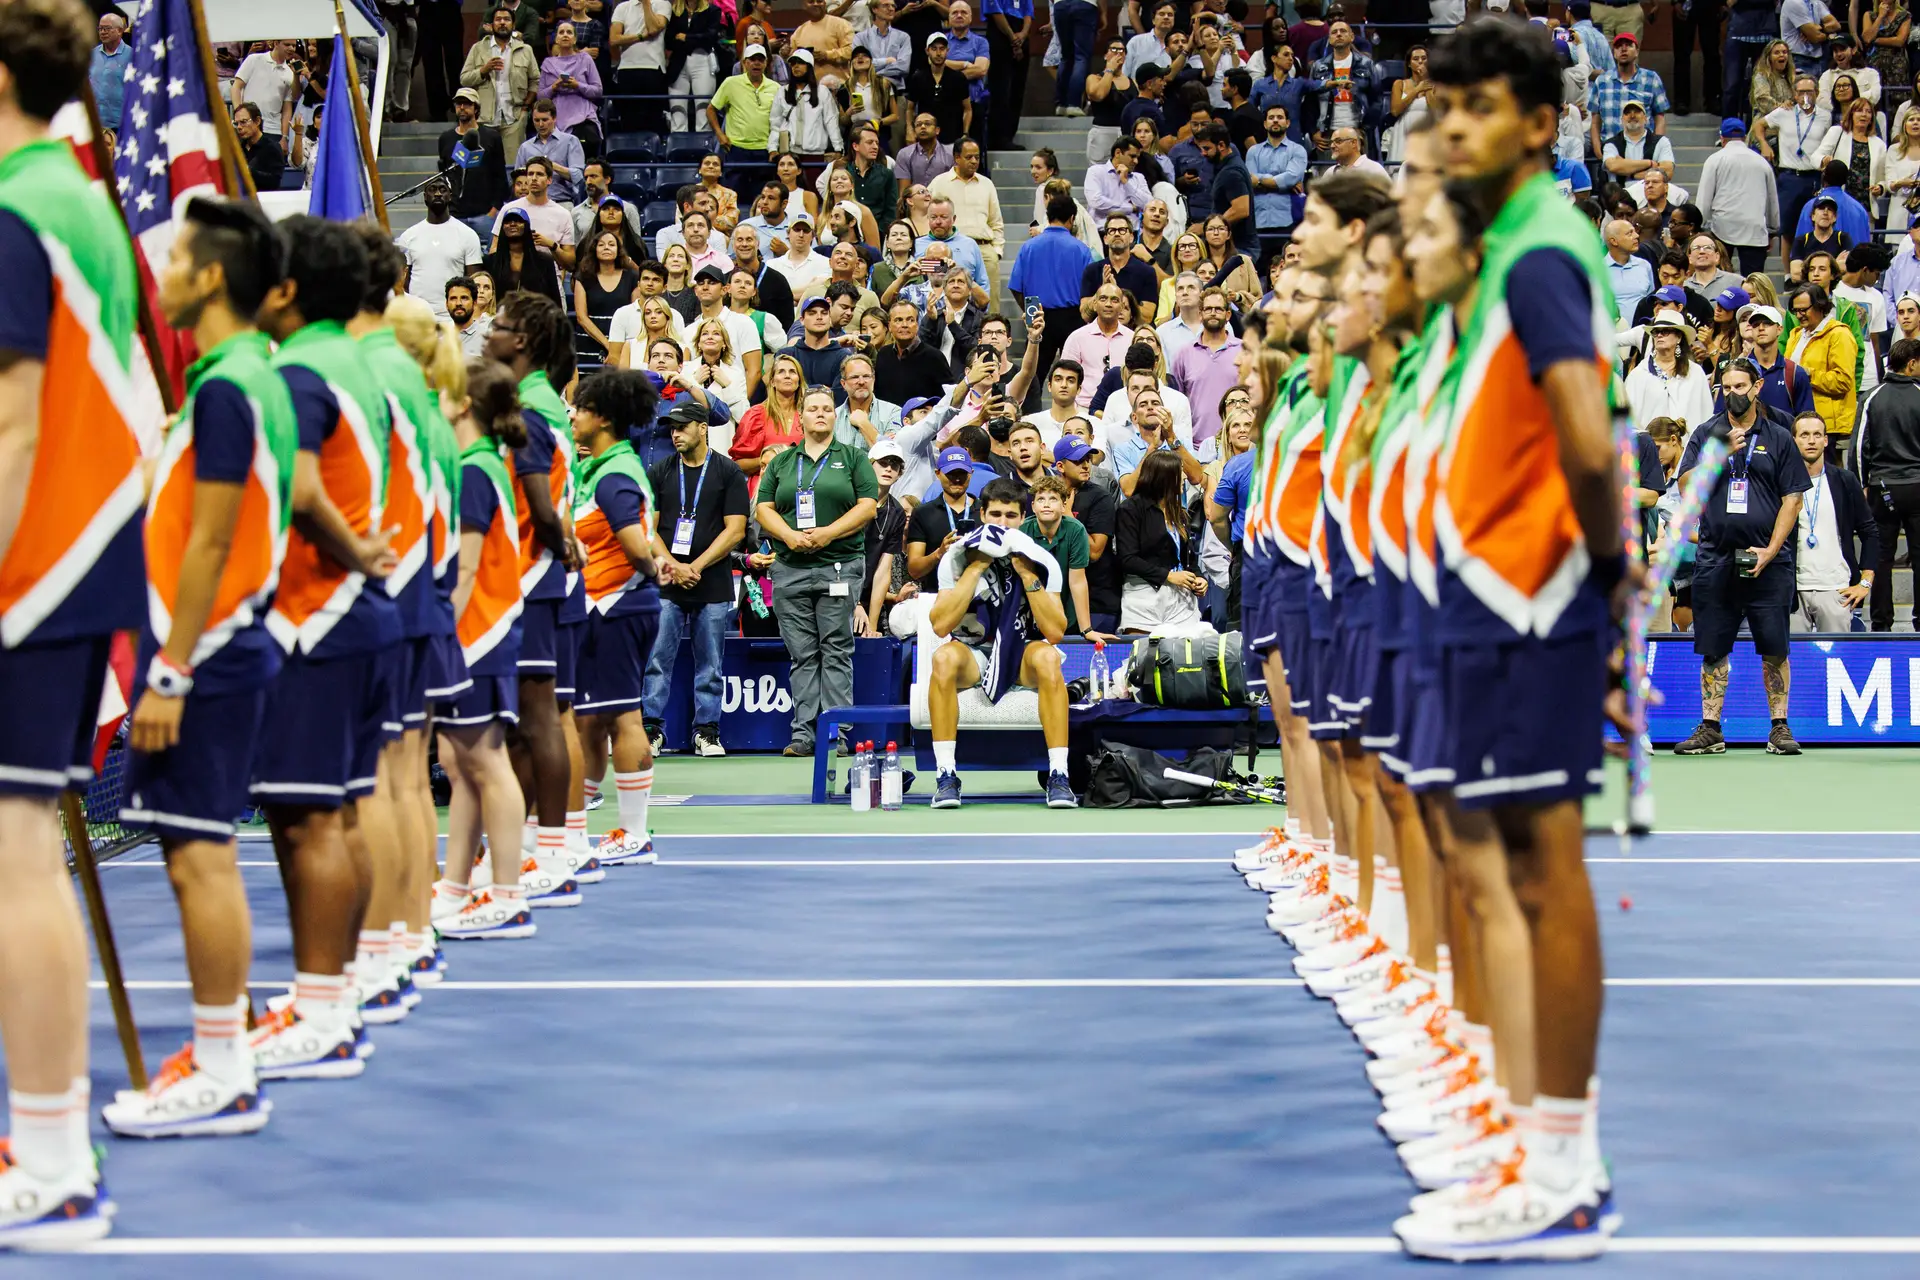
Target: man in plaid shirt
{"x":1628,"y":81}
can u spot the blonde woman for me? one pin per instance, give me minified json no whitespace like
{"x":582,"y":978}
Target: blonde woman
{"x":1772,"y":84}
{"x":915,"y":214}
{"x":771,"y":425}
{"x":713,"y":365}
{"x":628,"y":344}
{"x":679,"y":264}
{"x":1902,"y":174}
{"x":1189,"y":254}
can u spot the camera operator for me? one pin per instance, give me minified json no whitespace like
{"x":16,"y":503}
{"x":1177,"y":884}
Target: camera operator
{"x":1745,"y":566}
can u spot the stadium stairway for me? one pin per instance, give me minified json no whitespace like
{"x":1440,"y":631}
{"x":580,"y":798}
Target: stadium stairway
{"x":408,"y":156}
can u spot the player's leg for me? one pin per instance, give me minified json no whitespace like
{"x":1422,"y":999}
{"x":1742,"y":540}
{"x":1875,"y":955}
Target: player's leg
{"x":953,"y":668}
{"x":375,"y":820}
{"x":1415,"y":860}
{"x":1305,"y":799}
{"x":420,"y":839}
{"x":487,"y":799}
{"x":316,"y":1036}
{"x":612,"y":679}
{"x":1040,"y":671}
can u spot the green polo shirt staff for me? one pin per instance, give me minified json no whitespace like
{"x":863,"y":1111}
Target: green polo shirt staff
{"x":839,"y":478}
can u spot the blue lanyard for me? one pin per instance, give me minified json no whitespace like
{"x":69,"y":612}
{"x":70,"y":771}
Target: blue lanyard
{"x":686,"y":512}
{"x":1813,"y":512}
{"x":1746,"y":461}
{"x":966,"y":513}
{"x":800,"y":462}
{"x":1800,"y":143}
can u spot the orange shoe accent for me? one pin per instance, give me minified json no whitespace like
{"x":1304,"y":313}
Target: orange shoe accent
{"x":174,"y":1069}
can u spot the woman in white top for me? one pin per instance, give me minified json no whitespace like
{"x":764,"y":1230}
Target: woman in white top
{"x":806,"y":117}
{"x":712,"y":364}
{"x":1410,"y":103}
{"x":1851,"y":136}
{"x":786,"y":166}
{"x":1212,"y":57}
{"x":1902,"y":174}
{"x":1667,"y":383}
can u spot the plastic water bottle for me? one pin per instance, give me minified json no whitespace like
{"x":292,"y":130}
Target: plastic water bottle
{"x":858,"y":794}
{"x":1099,"y":675}
{"x":873,"y":776}
{"x":890,"y":778}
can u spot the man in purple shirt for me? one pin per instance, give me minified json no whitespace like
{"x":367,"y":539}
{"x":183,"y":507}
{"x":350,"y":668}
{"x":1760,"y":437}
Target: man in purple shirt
{"x":926,"y":158}
{"x":1204,"y":370}
{"x":1115,"y":187}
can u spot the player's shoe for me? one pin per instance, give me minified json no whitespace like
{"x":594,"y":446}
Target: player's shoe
{"x":1410,"y":1086}
{"x":185,"y":1102}
{"x":484,"y":919}
{"x":38,"y":1214}
{"x":582,"y":866}
{"x":1287,"y":874}
{"x":1060,"y":792}
{"x":1435,"y":1108}
{"x":545,"y":883}
{"x":1272,"y":847}
{"x":289,"y":1047}
{"x":427,"y":967}
{"x":384,"y":995}
{"x":620,"y":849}
{"x":594,"y":801}
{"x":1337,"y":915}
{"x":1354,"y":942}
{"x":1391,"y":995}
{"x":1382,"y":1072}
{"x":1366,"y":974}
{"x":1461,"y":1155}
{"x":946,"y":790}
{"x":1415,"y":1031}
{"x":1509,"y":1218}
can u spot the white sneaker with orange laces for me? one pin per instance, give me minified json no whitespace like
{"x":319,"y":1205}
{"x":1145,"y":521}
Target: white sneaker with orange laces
{"x":1509,"y":1217}
{"x":484,"y":918}
{"x":41,"y":1214}
{"x":1463,"y":1154}
{"x":185,"y":1102}
{"x":1398,"y":990}
{"x":1367,"y":973}
{"x":1271,"y":848}
{"x":289,"y":1047}
{"x":1435,"y":1107}
{"x":545,"y":883}
{"x":620,"y":849}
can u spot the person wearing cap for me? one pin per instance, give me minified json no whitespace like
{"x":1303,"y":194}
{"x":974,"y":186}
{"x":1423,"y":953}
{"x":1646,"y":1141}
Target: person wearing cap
{"x":477,"y":156}
{"x":800,"y":265}
{"x":1822,"y":236}
{"x":1738,"y":196}
{"x":700,"y":498}
{"x":1633,"y":152}
{"x":596,"y":177}
{"x":886,"y":583}
{"x":820,"y":356}
{"x":741,"y":117}
{"x":1850,"y":216}
{"x":1150,"y":87}
{"x":1667,"y":383}
{"x":1848,"y":61}
{"x":505,"y":76}
{"x":806,"y":116}
{"x":937,"y":524}
{"x":637,"y":35}
{"x":942,"y":91}
{"x":1626,"y":81}
{"x":1094,"y":506}
{"x":1784,"y":385}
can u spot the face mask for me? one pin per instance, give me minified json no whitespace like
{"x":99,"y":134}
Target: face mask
{"x":1737,"y":404}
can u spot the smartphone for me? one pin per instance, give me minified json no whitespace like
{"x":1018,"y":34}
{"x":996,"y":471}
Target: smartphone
{"x":1033,"y":310}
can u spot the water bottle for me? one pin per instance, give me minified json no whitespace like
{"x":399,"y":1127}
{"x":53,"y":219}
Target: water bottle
{"x":873,"y":776}
{"x":1099,"y":675}
{"x":861,"y":798}
{"x":890,"y":778}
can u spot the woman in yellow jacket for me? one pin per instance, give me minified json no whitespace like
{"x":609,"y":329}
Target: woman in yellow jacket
{"x":1826,"y":349}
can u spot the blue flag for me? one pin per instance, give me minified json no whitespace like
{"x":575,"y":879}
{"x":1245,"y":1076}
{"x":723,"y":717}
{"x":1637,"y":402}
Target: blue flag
{"x":339,"y":170}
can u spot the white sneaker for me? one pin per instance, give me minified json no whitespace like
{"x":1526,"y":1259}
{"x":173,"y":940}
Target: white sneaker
{"x":1273,"y":846}
{"x":594,"y":801}
{"x":1436,"y":1108}
{"x":1511,"y":1218}
{"x":1339,"y":953}
{"x":1461,"y":1155}
{"x":484,"y":919}
{"x":1288,"y":876}
{"x":289,"y":1047}
{"x":441,"y":909}
{"x":1411,"y":1032}
{"x":62,"y":1213}
{"x":183,"y":1102}
{"x":1390,"y":997}
{"x":1368,"y":972}
{"x":1382,"y":1072}
{"x":545,"y":883}
{"x":383,"y":996}
{"x":619,"y":849}
{"x":1072,"y":112}
{"x":582,"y":866}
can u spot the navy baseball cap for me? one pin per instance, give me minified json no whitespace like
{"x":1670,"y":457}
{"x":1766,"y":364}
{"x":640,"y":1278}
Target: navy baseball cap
{"x":1071,"y":449}
{"x":916,"y":403}
{"x":1733,"y":299}
{"x":954,"y":458}
{"x":1671,"y":293}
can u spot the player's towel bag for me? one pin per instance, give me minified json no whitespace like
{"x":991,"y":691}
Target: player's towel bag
{"x":1195,"y":673}
{"x":1128,"y":777}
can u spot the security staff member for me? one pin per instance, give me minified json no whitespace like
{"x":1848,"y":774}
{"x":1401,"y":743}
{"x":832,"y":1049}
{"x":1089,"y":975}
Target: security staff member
{"x":1745,"y":566}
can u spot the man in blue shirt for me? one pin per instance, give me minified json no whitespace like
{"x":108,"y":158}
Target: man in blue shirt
{"x":1278,"y":165}
{"x":1852,"y":220}
{"x":111,"y":58}
{"x":1191,"y":170}
{"x":970,"y":55}
{"x":965,"y":250}
{"x":1047,"y":270}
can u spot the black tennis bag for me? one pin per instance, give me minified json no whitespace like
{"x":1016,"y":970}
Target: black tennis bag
{"x":1125,"y":777}
{"x":1194,"y":673}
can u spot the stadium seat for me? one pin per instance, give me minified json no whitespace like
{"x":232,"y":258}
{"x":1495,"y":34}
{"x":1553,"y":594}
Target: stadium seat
{"x":688,"y":148}
{"x":658,"y":214}
{"x":668,"y":178}
{"x":631,"y":178}
{"x":632,"y":148}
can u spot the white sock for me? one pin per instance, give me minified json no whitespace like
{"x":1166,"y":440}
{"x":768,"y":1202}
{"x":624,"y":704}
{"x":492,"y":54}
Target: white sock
{"x":508,"y":895}
{"x":1590,"y":1127}
{"x":530,"y":834}
{"x":577,"y":830}
{"x":943,"y":757}
{"x":1057,"y":759}
{"x":370,"y":963}
{"x":1551,"y":1134}
{"x":82,"y":1095}
{"x":448,"y":891}
{"x":634,"y":790}
{"x":43,"y":1132}
{"x":1443,"y":969}
{"x":321,"y":996}
{"x":1293,"y":829}
{"x":1479,"y":1042}
{"x":219,"y":1041}
{"x":551,"y":842}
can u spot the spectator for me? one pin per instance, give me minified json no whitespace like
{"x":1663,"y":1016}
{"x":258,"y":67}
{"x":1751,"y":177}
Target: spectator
{"x":1850,"y":215}
{"x":886,"y":582}
{"x":1060,"y":535}
{"x":1120,"y":266}
{"x":1304,"y":35}
{"x":696,"y":237}
{"x":1627,"y":81}
{"x":1858,"y":284}
{"x":1279,"y":167}
{"x":437,"y":250}
{"x":1655,"y":194}
{"x":714,"y":365}
{"x":1009,"y":24}
{"x":1183,"y":328}
{"x":515,"y":263}
{"x":1282,"y":87}
{"x":1801,"y":126}
{"x":1063,"y":383}
{"x":270,"y":83}
{"x":827,"y":40}
{"x":1668,"y":383}
{"x":476,"y":152}
{"x":908,"y":366}
{"x":773,"y":424}
{"x":637,"y":35}
{"x":1689,"y":22}
{"x":1159,"y":555}
{"x":562,"y":151}
{"x":701,"y":498}
{"x":970,"y":55}
{"x":976,"y":211}
{"x":919,"y":164}
{"x":1116,"y":188}
{"x":501,"y":68}
{"x":1232,"y":188}
{"x":938,"y":523}
{"x":1633,"y":152}
{"x":800,"y":264}
{"x":1853,"y":143}
{"x":1349,"y":152}
{"x":265,"y":161}
{"x":1784,"y":386}
{"x":863,"y":418}
{"x":1101,"y":343}
{"x":741,"y":117}
{"x":570,"y":84}
{"x":1889,"y":460}
{"x":112,"y":59}
{"x":965,"y":250}
{"x":1205,"y":370}
{"x":1823,"y":236}
{"x":1094,"y":507}
{"x":1629,"y":274}
{"x":941,"y":90}
{"x":769,"y":220}
{"x":653,"y":441}
{"x":1737,"y":195}
{"x":1902,"y":174}
{"x":1672,"y":294}
{"x":1150,"y":82}
{"x":1808,"y":26}
{"x":819,"y":355}
{"x":1129,"y":421}
{"x":1754,"y":508}
{"x":815,"y":502}
{"x":693,"y":61}
{"x":951,"y":326}
{"x":1826,"y":350}
{"x":1046,"y":270}
{"x":552,"y":222}
{"x":1771,"y":84}
{"x":1618,"y":19}
{"x":1347,"y":81}
{"x":596,"y":177}
{"x":601,"y":286}
{"x":589,"y":36}
{"x":462,"y":312}
{"x":1705,"y":275}
{"x":1848,"y":65}
{"x":890,"y":48}
{"x":1828,"y":579}
{"x":1903,"y":274}
{"x":1150,"y":46}
{"x":1108,"y":91}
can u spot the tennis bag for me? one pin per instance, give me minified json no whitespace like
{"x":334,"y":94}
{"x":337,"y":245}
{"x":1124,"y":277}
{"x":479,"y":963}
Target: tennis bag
{"x":1194,"y":673}
{"x":1125,"y":777}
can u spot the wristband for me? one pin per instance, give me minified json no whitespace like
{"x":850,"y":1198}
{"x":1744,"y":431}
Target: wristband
{"x":167,"y":680}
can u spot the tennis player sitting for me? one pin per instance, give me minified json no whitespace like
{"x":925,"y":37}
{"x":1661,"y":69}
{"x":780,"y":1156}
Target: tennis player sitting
{"x":1000,"y":602}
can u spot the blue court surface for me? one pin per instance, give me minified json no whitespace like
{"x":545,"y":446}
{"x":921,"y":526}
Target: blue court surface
{"x":1045,"y":1056}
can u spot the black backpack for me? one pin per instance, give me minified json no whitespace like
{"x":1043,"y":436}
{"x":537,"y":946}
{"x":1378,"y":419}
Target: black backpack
{"x":1195,"y":673}
{"x":1126,"y":777}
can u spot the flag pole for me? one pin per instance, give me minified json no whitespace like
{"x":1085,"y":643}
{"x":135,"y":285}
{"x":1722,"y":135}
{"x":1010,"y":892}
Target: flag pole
{"x":149,"y":328}
{"x":81,"y":843}
{"x":239,"y":177}
{"x":360,"y":121}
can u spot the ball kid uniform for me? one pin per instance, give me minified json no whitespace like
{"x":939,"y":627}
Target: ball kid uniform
{"x":489,"y":627}
{"x":409,"y":512}
{"x":1523,"y":628}
{"x":544,"y":458}
{"x":74,"y":572}
{"x":331,"y":710}
{"x":1259,"y":618}
{"x":237,"y":427}
{"x":623,"y":604}
{"x":1387,"y":529}
{"x":1348,"y":488}
{"x":1326,"y":717}
{"x":1292,"y":501}
{"x":1420,"y":720}
{"x":446,"y":665}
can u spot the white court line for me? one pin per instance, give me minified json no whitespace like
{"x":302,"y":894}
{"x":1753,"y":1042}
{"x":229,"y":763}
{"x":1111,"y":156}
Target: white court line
{"x":968,"y":1245}
{"x":984,"y":984}
{"x":1650,"y":862}
{"x":1657,"y":860}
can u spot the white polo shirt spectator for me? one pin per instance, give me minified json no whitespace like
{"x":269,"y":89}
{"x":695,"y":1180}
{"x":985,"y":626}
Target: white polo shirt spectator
{"x":437,"y":252}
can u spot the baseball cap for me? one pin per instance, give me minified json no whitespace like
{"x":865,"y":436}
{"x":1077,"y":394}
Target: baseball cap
{"x":953,"y":458}
{"x":939,"y":37}
{"x":802,"y":55}
{"x":1733,"y":127}
{"x":802,"y":220}
{"x":817,"y":300}
{"x":467,"y":95}
{"x":886,"y":447}
{"x":1761,"y":311}
{"x":711,"y":272}
{"x":1628,"y":36}
{"x":1671,"y":293}
{"x":1827,"y":201}
{"x":1149,"y":71}
{"x":1071,"y":449}
{"x":1732,"y":299}
{"x":754,"y":51}
{"x":917,"y":402}
{"x":1633,"y":104}
{"x":685,"y":409}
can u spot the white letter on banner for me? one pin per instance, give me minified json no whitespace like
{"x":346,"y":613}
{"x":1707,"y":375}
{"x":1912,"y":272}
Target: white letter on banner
{"x":1913,"y":691}
{"x":1877,"y":690}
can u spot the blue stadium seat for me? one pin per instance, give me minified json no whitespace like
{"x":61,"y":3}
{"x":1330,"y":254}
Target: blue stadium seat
{"x":632,"y":148}
{"x":688,"y":147}
{"x":292,"y":179}
{"x":632,"y":192}
{"x":637,"y":177}
{"x":667,"y":178}
{"x":658,"y":214}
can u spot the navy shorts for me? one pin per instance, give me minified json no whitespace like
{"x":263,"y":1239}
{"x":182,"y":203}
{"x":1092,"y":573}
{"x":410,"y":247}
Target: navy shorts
{"x":1525,"y":719}
{"x":1380,"y":730}
{"x":194,"y":789}
{"x":1355,"y":663}
{"x":1296,"y":651}
{"x":1722,"y":599}
{"x":446,"y":669}
{"x":418,"y":666}
{"x":1259,"y":606}
{"x":540,"y":639}
{"x":484,"y":700}
{"x":613,"y":662}
{"x":326,"y":726}
{"x":566,"y":660}
{"x":1422,"y":726}
{"x":49,"y":706}
{"x":1324,"y":720}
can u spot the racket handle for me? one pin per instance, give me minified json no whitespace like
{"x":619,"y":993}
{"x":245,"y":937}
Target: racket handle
{"x":1181,"y":775}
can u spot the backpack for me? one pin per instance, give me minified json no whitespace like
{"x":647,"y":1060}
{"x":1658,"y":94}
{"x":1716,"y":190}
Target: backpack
{"x":1126,"y":777}
{"x":1196,"y":673}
